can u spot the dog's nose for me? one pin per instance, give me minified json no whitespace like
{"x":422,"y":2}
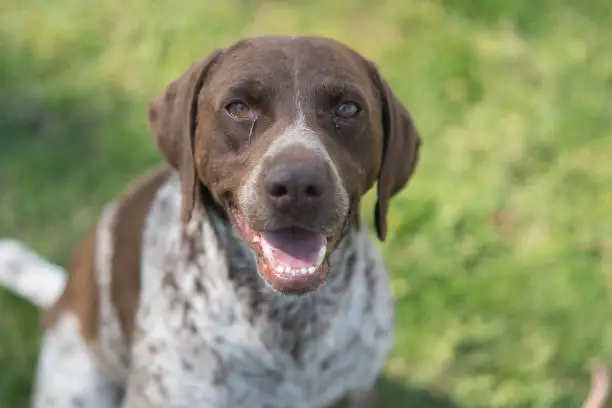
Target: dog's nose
{"x":300,"y":186}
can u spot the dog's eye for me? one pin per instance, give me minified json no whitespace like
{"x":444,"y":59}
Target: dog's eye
{"x":239,"y":110}
{"x":347,"y":110}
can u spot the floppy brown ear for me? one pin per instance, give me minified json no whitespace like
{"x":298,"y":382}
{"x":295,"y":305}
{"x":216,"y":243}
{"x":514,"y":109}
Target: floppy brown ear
{"x":401,"y":143}
{"x":172,"y":122}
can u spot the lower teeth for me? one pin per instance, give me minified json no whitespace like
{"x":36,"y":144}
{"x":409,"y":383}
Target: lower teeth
{"x":287,"y":270}
{"x":268,"y":254}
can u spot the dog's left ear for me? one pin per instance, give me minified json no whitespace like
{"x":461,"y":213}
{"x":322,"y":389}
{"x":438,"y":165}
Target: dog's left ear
{"x":172,"y":122}
{"x":400,"y":153}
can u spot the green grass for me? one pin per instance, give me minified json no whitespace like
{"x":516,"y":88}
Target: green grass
{"x":501,"y":248}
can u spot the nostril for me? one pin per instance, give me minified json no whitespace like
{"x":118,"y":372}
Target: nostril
{"x":277,"y":190}
{"x":313,"y":191}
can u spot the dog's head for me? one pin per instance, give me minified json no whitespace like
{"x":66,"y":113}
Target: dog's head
{"x":286,"y":134}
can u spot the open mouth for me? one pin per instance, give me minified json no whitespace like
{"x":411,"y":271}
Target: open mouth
{"x":291,"y":260}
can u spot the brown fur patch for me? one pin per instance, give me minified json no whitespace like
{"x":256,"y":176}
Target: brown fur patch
{"x":127,"y":245}
{"x":81,"y":294}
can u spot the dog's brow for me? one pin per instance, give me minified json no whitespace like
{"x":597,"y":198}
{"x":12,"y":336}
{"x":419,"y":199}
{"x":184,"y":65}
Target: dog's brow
{"x":242,"y":88}
{"x":339,"y":86}
{"x":248,"y":83}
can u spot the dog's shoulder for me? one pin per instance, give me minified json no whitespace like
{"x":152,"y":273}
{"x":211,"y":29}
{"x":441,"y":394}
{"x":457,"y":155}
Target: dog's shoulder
{"x":104,"y":273}
{"x":130,"y":217}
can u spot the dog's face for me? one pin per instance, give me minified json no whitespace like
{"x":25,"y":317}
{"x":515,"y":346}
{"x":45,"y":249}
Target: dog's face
{"x":286,"y":134}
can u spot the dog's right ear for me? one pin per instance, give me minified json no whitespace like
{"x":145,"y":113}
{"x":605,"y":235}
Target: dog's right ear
{"x":172,"y":122}
{"x":401,"y":148}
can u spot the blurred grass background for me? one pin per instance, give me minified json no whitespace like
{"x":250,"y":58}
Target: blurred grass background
{"x":501,"y":248}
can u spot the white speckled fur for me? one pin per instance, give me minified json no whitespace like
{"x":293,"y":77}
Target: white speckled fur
{"x":209,"y":348}
{"x":200,"y":341}
{"x":67,"y":375}
{"x":73,"y":373}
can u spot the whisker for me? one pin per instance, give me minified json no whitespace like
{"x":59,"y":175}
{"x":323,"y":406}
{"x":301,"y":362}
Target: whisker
{"x":251,"y":131}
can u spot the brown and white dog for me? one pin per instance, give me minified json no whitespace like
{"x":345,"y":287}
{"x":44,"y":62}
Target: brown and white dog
{"x":240,"y":275}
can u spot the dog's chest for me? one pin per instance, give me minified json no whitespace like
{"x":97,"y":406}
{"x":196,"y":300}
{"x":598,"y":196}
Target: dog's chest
{"x":211,"y":339}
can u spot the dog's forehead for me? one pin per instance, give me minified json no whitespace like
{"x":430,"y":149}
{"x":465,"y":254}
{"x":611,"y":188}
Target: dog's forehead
{"x":298,"y":60}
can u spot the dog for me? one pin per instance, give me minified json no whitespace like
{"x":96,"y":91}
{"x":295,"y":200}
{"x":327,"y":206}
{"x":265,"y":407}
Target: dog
{"x":239,"y":273}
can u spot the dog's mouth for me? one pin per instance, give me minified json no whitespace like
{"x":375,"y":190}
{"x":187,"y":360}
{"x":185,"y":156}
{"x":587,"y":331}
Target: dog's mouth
{"x":292,"y":260}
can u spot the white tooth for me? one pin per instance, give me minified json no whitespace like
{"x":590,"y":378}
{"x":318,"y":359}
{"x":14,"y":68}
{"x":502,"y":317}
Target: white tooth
{"x":312,"y":269}
{"x":287,"y":269}
{"x":303,"y":270}
{"x":255,"y":239}
{"x":280,"y":269}
{"x":321,"y":256}
{"x":268,"y":253}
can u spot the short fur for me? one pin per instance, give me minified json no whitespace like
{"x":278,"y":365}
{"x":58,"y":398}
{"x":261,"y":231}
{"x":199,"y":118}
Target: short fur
{"x":165,"y":307}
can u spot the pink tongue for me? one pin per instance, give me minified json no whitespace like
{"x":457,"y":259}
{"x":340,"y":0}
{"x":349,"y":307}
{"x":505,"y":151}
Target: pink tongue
{"x":294,"y":247}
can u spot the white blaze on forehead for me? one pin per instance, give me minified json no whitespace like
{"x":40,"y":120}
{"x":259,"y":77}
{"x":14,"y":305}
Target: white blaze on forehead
{"x":299,"y":134}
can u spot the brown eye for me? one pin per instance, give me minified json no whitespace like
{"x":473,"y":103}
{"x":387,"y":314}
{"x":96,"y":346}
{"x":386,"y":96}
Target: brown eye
{"x":239,"y":110}
{"x":347,"y":110}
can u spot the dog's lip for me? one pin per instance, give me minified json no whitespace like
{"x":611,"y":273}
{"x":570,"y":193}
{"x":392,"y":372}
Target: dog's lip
{"x":240,"y":221}
{"x":279,"y":270}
